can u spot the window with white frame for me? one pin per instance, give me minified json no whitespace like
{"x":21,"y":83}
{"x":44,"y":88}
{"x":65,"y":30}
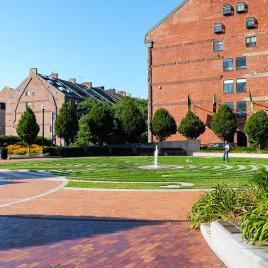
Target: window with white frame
{"x":27,"y":93}
{"x":228,"y":86}
{"x":218,"y":46}
{"x":251,"y":41}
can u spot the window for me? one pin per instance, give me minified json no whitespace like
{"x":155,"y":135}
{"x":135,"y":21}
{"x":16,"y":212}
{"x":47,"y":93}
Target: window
{"x":251,"y":41}
{"x":241,"y":63}
{"x":228,"y":86}
{"x":218,"y":46}
{"x":230,"y":105}
{"x":228,"y":10}
{"x":27,"y":93}
{"x":241,"y":109}
{"x":228,"y":64}
{"x":218,"y":28}
{"x":241,"y":85}
{"x":251,"y":23}
{"x":28,"y":104}
{"x":241,"y":7}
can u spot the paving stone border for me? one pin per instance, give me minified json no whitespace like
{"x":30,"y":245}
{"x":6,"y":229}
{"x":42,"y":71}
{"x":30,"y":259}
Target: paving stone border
{"x":231,"y":249}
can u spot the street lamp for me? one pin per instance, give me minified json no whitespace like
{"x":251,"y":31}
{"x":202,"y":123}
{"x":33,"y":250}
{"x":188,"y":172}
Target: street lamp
{"x":43,"y":126}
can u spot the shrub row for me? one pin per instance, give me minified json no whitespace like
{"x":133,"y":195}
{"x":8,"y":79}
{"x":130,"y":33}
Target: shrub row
{"x":109,"y":151}
{"x":12,"y":140}
{"x":23,"y":150}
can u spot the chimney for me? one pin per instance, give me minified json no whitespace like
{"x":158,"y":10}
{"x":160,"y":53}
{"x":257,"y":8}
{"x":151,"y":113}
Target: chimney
{"x":54,"y":75}
{"x":122,"y":93}
{"x":72,"y":80}
{"x":33,"y":71}
{"x":87,"y":84}
{"x":111,"y":90}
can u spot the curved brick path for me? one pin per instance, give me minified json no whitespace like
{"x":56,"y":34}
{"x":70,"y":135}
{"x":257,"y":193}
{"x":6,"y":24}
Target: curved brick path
{"x":118,"y":229}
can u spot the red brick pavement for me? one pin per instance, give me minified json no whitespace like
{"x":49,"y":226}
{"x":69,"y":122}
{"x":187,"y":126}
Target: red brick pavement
{"x":109,"y":236}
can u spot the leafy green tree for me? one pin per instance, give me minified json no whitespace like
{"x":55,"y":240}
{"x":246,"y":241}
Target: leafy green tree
{"x":224,"y":123}
{"x":66,"y":124}
{"x":256,"y":128}
{"x":142,"y":105}
{"x":28,"y":128}
{"x":130,"y":121}
{"x":97,"y":126}
{"x":84,"y":107}
{"x":163,"y":124}
{"x":191,"y":126}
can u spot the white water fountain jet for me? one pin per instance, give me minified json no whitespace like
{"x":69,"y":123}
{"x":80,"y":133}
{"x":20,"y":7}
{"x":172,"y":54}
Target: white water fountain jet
{"x":156,"y":154}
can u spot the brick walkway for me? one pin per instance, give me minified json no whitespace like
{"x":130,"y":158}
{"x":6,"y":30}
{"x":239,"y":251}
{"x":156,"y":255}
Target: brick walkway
{"x":118,"y":229}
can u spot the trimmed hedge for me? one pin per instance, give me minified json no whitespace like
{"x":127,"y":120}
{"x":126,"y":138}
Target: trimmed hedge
{"x":12,"y":140}
{"x":109,"y":151}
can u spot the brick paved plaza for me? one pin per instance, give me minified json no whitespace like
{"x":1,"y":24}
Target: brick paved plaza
{"x":74,"y":228}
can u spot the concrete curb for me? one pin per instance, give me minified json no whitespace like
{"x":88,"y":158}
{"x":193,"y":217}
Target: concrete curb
{"x":231,"y":250}
{"x":235,"y":155}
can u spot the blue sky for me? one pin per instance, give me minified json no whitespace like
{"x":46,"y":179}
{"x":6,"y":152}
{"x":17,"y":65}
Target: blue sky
{"x":99,"y":41}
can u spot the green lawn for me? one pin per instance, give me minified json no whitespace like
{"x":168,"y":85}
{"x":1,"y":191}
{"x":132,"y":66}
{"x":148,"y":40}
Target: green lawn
{"x":125,"y":172}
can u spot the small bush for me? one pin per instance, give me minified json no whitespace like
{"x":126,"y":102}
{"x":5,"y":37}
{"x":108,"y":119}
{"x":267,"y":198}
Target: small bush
{"x":8,"y":140}
{"x":254,"y":225}
{"x":23,"y":150}
{"x":223,"y":203}
{"x":261,"y":180}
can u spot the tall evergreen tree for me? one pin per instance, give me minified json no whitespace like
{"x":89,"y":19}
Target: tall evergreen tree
{"x":66,"y":124}
{"x":224,"y":123}
{"x":191,"y":126}
{"x":163,"y":124}
{"x":28,"y":128}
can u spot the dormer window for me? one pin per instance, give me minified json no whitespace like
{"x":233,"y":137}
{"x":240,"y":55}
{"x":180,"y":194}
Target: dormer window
{"x":228,"y":10}
{"x":251,"y":23}
{"x":241,"y":7}
{"x":219,"y":28}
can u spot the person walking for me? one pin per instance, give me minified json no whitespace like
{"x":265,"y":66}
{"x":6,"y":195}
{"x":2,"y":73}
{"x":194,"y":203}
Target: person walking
{"x":226,"y":151}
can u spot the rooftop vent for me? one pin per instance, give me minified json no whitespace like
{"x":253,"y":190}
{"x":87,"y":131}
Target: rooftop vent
{"x":54,"y":75}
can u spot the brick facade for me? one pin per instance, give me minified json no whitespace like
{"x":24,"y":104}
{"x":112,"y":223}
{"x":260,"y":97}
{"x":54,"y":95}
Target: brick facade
{"x":46,"y":94}
{"x":184,"y":62}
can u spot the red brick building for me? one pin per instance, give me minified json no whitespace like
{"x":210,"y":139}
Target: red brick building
{"x":210,"y":47}
{"x":45,"y":94}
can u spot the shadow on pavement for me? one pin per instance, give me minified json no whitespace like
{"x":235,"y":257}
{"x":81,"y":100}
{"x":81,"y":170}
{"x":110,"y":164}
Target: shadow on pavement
{"x":26,"y":231}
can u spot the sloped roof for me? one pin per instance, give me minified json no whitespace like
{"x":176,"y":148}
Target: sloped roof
{"x":164,"y":19}
{"x":79,"y":92}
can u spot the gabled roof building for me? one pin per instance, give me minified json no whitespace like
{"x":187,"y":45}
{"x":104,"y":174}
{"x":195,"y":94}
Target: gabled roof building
{"x":46,"y":93}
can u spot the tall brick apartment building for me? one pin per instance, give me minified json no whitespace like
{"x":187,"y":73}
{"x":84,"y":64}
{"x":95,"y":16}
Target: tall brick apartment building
{"x":206,"y":48}
{"x":46,"y":94}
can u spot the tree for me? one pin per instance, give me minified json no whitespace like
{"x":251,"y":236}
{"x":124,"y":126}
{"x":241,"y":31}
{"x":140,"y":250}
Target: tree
{"x":66,"y":124}
{"x":28,"y":128}
{"x":191,"y":126}
{"x":163,"y":124}
{"x":96,"y":126}
{"x":224,"y":123}
{"x":256,"y":128}
{"x":84,"y":107}
{"x":130,"y":121}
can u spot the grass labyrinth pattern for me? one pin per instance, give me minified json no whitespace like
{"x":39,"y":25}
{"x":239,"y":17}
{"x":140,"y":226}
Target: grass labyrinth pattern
{"x":125,"y":172}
